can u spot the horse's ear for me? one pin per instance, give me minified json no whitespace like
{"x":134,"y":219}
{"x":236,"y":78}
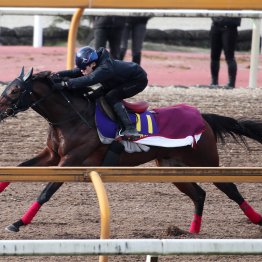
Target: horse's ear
{"x":28,"y":75}
{"x":22,"y":73}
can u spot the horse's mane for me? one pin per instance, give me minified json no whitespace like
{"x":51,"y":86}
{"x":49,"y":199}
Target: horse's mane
{"x":42,"y":76}
{"x":45,"y":77}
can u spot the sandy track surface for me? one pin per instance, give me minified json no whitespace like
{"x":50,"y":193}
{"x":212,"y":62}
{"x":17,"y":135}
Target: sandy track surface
{"x":138,"y":210}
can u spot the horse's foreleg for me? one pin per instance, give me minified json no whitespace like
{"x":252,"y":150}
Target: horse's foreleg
{"x":31,"y":162}
{"x":197,"y":195}
{"x":232,"y":192}
{"x":44,"y":197}
{"x":3,"y":186}
{"x":45,"y":158}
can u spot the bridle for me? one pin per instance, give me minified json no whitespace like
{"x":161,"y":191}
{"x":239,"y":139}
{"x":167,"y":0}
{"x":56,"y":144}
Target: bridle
{"x":24,"y":101}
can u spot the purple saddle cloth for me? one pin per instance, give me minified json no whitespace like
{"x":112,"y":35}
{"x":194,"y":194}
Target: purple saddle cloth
{"x":173,"y":122}
{"x":145,"y":123}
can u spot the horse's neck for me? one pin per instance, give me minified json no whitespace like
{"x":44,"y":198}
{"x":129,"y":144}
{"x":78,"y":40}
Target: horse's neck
{"x":57,"y":107}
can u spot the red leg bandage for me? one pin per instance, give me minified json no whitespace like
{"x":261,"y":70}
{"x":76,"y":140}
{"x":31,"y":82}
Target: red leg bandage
{"x":3,"y":185}
{"x":29,"y":215}
{"x":248,"y":210}
{"x":195,"y":224}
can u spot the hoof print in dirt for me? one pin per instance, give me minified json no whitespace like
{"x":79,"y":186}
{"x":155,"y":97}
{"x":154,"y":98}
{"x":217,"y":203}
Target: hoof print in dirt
{"x":174,"y":231}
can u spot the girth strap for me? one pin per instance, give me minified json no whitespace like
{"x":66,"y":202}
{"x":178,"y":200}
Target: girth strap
{"x":113,"y":154}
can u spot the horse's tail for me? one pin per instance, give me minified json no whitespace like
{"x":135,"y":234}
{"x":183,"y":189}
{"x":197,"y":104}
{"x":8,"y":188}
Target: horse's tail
{"x":223,"y":126}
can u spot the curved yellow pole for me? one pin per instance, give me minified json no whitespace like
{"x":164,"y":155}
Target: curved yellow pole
{"x":104,"y":208}
{"x":72,"y":37}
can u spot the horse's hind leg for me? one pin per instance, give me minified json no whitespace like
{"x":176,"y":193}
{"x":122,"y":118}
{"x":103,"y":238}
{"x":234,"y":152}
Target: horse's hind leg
{"x":232,"y":192}
{"x":192,"y":190}
{"x":197,"y":195}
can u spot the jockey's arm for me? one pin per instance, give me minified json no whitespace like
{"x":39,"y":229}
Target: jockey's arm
{"x":73,"y":73}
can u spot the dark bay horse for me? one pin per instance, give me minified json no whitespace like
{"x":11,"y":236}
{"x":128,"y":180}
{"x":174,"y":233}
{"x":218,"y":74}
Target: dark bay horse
{"x":73,"y":141}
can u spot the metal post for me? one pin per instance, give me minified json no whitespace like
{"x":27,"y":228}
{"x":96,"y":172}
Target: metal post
{"x":254,"y":53}
{"x":72,"y":34}
{"x":104,"y":208}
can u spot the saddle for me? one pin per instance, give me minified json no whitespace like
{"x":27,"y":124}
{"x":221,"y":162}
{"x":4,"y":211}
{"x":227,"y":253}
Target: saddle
{"x":136,"y":107}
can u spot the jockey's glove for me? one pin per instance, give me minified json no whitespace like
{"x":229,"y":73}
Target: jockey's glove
{"x":96,"y":93}
{"x":63,"y":85}
{"x":56,"y":78}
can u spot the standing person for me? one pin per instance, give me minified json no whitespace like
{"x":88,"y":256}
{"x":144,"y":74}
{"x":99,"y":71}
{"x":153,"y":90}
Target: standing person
{"x":119,"y":80}
{"x":136,"y":26}
{"x":223,"y":36}
{"x":109,"y":29}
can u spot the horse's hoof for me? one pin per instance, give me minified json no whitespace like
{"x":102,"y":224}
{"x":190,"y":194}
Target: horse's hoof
{"x":260,"y":223}
{"x":12,"y":228}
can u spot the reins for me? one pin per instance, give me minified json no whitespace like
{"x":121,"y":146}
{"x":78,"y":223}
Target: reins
{"x":73,"y":107}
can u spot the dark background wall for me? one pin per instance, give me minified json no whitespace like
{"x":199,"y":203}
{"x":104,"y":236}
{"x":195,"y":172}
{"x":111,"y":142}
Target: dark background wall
{"x":57,"y":36}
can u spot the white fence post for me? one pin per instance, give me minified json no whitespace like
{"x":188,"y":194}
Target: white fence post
{"x":151,"y":258}
{"x":38,"y":31}
{"x":254,"y":58}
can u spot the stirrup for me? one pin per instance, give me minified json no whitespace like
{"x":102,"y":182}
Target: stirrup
{"x":121,"y":135}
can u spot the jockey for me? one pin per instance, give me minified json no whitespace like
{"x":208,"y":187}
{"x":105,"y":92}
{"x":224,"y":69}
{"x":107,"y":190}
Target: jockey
{"x":119,"y":80}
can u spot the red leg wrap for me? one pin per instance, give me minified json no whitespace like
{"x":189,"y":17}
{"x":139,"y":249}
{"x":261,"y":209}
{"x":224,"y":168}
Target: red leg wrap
{"x":248,"y":210}
{"x":29,"y":215}
{"x":195,"y":224}
{"x":3,"y":185}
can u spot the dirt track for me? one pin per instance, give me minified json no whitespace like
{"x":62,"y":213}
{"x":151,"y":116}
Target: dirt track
{"x":137,"y":210}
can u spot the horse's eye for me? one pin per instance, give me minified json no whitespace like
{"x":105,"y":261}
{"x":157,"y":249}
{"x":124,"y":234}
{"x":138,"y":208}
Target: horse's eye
{"x":14,"y":91}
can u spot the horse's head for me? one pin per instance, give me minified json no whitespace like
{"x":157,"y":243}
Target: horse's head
{"x":16,"y":96}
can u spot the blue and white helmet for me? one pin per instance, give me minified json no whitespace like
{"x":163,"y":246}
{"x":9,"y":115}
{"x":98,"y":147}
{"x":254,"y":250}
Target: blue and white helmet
{"x":85,"y":56}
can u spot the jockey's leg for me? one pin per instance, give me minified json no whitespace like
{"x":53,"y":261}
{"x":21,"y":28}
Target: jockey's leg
{"x":232,"y":192}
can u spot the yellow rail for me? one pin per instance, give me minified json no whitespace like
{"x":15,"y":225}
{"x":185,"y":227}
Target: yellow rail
{"x":132,"y":174}
{"x":98,"y":175}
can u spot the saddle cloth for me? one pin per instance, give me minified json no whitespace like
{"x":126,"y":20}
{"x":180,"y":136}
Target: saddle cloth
{"x":173,"y":126}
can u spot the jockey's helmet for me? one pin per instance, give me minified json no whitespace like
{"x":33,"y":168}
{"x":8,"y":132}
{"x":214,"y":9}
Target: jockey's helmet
{"x":85,"y":56}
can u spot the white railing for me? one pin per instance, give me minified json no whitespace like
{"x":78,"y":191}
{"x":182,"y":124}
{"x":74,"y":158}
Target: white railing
{"x":152,"y":247}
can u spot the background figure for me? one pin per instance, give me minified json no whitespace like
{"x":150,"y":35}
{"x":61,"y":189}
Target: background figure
{"x":223,"y":35}
{"x":109,"y":29}
{"x":136,"y":27}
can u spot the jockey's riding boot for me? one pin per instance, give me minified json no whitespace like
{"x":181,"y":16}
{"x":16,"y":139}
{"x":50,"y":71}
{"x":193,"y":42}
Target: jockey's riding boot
{"x":129,"y":133}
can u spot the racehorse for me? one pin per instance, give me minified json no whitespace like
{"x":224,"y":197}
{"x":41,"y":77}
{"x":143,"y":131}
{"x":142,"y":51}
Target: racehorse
{"x":73,"y":141}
